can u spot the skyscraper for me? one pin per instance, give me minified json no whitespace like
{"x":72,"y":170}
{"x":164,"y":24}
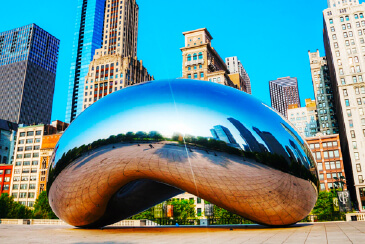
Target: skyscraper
{"x":28,"y":62}
{"x":87,"y":38}
{"x":283,"y":92}
{"x":235,"y":66}
{"x":115,"y":64}
{"x":324,"y":94}
{"x":344,"y":30}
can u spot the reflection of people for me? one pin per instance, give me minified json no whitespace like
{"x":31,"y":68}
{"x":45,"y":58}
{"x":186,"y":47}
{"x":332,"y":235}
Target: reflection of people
{"x":151,"y":146}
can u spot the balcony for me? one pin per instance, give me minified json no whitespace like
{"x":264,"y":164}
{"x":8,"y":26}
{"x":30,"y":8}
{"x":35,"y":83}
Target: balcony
{"x":194,"y":62}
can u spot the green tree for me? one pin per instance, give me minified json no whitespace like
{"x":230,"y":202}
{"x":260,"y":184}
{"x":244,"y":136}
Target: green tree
{"x":42,"y":209}
{"x":147,"y":214}
{"x":324,"y":208}
{"x":13,"y":210}
{"x":183,"y":209}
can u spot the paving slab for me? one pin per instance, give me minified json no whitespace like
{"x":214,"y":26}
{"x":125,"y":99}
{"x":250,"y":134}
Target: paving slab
{"x":329,"y":232}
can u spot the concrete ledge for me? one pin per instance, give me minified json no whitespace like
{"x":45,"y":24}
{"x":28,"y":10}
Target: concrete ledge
{"x":355,"y":217}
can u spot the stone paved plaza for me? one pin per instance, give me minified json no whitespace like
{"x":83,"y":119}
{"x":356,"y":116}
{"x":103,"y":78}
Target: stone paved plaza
{"x":333,"y":232}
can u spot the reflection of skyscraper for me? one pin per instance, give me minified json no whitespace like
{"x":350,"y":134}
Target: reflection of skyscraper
{"x":272,"y":143}
{"x":298,"y":153}
{"x":252,"y":144}
{"x":223,"y":134}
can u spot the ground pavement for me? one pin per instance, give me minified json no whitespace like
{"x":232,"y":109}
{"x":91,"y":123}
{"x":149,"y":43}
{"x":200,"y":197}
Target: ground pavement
{"x":331,"y":232}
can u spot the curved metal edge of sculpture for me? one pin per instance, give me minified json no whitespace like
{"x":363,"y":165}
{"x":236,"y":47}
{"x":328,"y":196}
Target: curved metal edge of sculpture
{"x":142,"y":145}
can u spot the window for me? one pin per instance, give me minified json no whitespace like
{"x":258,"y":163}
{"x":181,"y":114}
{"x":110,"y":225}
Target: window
{"x":331,"y":21}
{"x":345,"y":93}
{"x":361,"y":179}
{"x":21,"y":134}
{"x":361,"y":15}
{"x":351,"y":123}
{"x":334,"y":37}
{"x":347,"y":18}
{"x":195,"y":56}
{"x":318,"y":155}
{"x":341,"y":19}
{"x":189,"y":76}
{"x":333,"y":28}
{"x":195,"y":75}
{"x":329,"y":176}
{"x":15,"y":187}
{"x":354,"y":79}
{"x":357,"y":156}
{"x":352,"y":132}
{"x":349,"y":114}
{"x":189,"y":57}
{"x":32,"y":186}
{"x":31,"y":195}
{"x":38,"y":133}
{"x":24,"y":186}
{"x":356,"y":16}
{"x":201,"y":75}
{"x":347,"y":102}
{"x":325,"y":154}
{"x":22,"y":195}
{"x":30,"y":133}
{"x":200,"y":55}
{"x":358,"y":167}
{"x":338,"y":164}
{"x":320,"y":166}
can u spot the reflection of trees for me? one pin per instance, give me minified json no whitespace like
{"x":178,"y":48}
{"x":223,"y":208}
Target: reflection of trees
{"x":70,"y":156}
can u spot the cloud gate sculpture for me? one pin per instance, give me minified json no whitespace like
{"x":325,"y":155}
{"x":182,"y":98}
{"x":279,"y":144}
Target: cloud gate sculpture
{"x":142,"y":145}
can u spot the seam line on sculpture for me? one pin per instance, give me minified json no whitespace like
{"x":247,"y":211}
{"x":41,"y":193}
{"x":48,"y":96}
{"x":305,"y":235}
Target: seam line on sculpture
{"x":187,"y":152}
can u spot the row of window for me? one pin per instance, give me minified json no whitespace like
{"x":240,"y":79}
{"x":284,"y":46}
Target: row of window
{"x":29,"y":148}
{"x":30,"y":141}
{"x":358,"y":100}
{"x":347,"y":18}
{"x":26,"y":163}
{"x":329,"y":165}
{"x":24,"y":195}
{"x":24,"y":186}
{"x":325,"y":145}
{"x":330,"y":176}
{"x":7,"y":171}
{"x":27,"y":155}
{"x":196,"y":75}
{"x":195,"y":56}
{"x":25,"y":171}
{"x":328,"y":154}
{"x":25,"y":178}
{"x":30,"y":133}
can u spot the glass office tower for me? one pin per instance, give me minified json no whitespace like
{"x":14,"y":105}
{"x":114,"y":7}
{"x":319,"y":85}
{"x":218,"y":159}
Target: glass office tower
{"x":28,"y":63}
{"x":88,"y":37}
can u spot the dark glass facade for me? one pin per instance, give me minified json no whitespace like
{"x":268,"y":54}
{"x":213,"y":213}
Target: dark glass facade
{"x":28,"y":63}
{"x":88,"y":38}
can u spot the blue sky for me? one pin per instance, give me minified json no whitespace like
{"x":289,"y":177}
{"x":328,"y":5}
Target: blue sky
{"x":271,"y":38}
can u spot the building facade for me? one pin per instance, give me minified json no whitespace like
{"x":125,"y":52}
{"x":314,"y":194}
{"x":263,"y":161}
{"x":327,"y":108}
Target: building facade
{"x":284,"y":92}
{"x":305,"y":119}
{"x":235,"y":67}
{"x":87,"y":38}
{"x":202,"y":62}
{"x":344,"y":40}
{"x":115,"y":65}
{"x":110,"y":73}
{"x":197,"y":201}
{"x":327,"y":152}
{"x":5,"y":178}
{"x":28,"y":62}
{"x":323,"y":93}
{"x":27,"y":167}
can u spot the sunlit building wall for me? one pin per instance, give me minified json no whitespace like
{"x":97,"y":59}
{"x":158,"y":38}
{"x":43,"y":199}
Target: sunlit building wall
{"x":344,"y":40}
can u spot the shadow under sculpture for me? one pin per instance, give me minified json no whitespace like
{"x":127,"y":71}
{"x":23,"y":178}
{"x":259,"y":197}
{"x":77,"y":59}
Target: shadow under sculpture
{"x":147,"y":143}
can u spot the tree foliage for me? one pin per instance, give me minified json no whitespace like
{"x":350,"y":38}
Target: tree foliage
{"x":324,"y":208}
{"x":13,"y":210}
{"x":42,"y":209}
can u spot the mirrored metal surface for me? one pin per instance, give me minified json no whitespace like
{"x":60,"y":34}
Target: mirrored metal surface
{"x":147,"y":143}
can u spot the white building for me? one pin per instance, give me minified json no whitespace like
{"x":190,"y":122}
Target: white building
{"x":235,"y":66}
{"x":305,"y":118}
{"x":344,"y":40}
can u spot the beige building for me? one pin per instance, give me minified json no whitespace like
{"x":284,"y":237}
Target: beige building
{"x":304,"y":119}
{"x":115,"y":65}
{"x":27,"y":165}
{"x":202,"y":62}
{"x":324,"y":94}
{"x":344,"y":39}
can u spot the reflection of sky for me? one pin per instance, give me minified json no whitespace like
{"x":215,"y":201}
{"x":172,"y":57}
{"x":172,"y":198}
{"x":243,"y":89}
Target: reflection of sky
{"x":193,"y":108}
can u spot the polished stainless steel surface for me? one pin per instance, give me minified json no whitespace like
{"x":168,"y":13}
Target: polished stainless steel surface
{"x":147,"y":143}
